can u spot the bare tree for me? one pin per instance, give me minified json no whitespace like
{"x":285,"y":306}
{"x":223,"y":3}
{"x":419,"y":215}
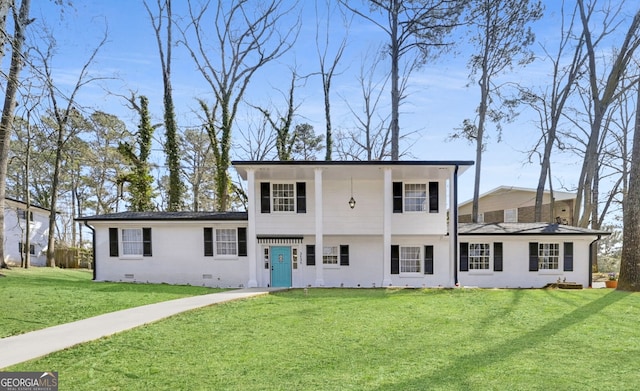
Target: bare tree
{"x":21,"y":21}
{"x":258,"y":142}
{"x":199,"y":168}
{"x":283,"y":122}
{"x":602,"y":96}
{"x":246,"y":36}
{"x":501,"y":37}
{"x":371,"y":139}
{"x":549,"y":102}
{"x":328,"y":66}
{"x":63,"y":111}
{"x":172,"y":141}
{"x":421,"y":25}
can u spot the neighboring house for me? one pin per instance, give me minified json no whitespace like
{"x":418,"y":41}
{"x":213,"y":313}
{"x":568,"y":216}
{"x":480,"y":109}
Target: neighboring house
{"x":334,"y":224}
{"x":506,"y":204}
{"x":15,"y":231}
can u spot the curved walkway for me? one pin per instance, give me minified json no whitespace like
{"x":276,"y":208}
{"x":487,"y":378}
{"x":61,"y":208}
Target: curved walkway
{"x":24,"y":347}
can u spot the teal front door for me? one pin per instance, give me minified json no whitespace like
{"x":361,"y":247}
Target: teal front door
{"x":281,"y":266}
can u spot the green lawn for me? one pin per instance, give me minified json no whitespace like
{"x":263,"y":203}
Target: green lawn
{"x":373,"y":339}
{"x":36,"y":298}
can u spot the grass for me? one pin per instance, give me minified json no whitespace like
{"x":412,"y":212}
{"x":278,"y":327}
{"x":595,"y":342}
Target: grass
{"x":373,"y":339}
{"x":36,"y":298}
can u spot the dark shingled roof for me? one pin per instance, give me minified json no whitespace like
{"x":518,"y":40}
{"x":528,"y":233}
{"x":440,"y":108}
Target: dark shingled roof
{"x":166,"y":216}
{"x":524,"y":229}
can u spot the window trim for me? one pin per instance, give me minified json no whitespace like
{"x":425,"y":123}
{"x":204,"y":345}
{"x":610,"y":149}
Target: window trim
{"x":489,"y":258}
{"x":515,"y":215}
{"x":425,"y":198}
{"x":418,"y":260}
{"x":146,"y":243}
{"x":557,"y":257}
{"x":294,"y":205}
{"x":335,"y":265}
{"x":216,"y":243}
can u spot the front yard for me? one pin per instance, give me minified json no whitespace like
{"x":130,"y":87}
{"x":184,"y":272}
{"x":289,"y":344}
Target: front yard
{"x":36,"y":298}
{"x":373,"y":339}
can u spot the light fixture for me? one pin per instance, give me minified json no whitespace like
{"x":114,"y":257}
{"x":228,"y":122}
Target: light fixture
{"x":352,"y":202}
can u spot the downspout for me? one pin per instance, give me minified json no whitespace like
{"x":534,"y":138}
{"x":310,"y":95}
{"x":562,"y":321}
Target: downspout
{"x":454,"y":212}
{"x":93,"y":248}
{"x":591,"y":260}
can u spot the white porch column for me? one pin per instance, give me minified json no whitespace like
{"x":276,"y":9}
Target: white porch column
{"x":386,"y":227}
{"x":453,"y":228}
{"x":252,"y":251}
{"x":319,"y":225}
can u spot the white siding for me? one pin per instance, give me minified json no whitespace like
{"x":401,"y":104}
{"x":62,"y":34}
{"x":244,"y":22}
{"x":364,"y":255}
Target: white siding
{"x":14,"y":233}
{"x":177,"y":256}
{"x":516,"y":272}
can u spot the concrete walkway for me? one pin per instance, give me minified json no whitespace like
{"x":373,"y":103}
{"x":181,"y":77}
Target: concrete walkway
{"x":24,"y":347}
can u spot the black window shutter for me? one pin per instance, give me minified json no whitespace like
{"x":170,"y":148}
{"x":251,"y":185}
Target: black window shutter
{"x":311,"y":254}
{"x":568,"y":256}
{"x":497,"y":257}
{"x":395,"y":259}
{"x":344,"y":255}
{"x":301,"y":197}
{"x":428,"y":259}
{"x":242,"y":242}
{"x":397,"y":197}
{"x":464,"y":257}
{"x":208,"y":242}
{"x":265,"y":197}
{"x":113,"y":242}
{"x":533,"y":256}
{"x":433,"y":197}
{"x":146,"y":242}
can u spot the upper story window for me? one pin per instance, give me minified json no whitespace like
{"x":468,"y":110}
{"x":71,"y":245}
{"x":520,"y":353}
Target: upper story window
{"x":22,"y":214}
{"x":415,"y":197}
{"x":511,"y":215}
{"x":284,"y":199}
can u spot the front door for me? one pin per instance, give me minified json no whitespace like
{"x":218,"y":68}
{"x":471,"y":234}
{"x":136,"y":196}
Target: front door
{"x":281,"y":266}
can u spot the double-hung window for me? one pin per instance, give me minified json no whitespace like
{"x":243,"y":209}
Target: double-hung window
{"x":283,"y":197}
{"x":410,"y":259}
{"x":330,"y":255}
{"x":132,"y":243}
{"x":479,"y":256}
{"x":226,"y":242}
{"x":415,"y":197}
{"x":548,"y":256}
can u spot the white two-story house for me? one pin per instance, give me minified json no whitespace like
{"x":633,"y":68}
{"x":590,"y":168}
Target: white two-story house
{"x":336,"y":224}
{"x":18,"y":224}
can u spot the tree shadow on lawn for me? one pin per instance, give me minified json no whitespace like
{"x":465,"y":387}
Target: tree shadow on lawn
{"x":450,"y":377}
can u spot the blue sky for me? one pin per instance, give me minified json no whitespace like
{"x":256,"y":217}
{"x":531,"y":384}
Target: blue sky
{"x":439,"y":94}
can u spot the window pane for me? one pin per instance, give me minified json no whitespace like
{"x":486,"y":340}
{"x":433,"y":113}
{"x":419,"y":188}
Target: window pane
{"x":132,"y":241}
{"x":226,"y":243}
{"x":415,"y":197}
{"x":283,"y":197}
{"x":330,"y":255}
{"x":479,"y":256}
{"x":410,"y":259}
{"x":548,"y":256}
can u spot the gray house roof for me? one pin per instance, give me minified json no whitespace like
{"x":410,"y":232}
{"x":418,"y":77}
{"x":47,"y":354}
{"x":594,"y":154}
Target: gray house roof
{"x":524,"y":229}
{"x":167,"y":216}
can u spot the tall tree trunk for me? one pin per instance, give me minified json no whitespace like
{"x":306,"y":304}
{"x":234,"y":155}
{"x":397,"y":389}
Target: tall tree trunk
{"x":8,"y":110}
{"x":395,"y":77}
{"x":630,"y":263}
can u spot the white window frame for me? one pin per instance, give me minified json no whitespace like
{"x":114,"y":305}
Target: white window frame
{"x":416,"y":202}
{"x":225,"y":246}
{"x":511,"y":215}
{"x":480,"y":217}
{"x":331,"y":256}
{"x":129,"y":246}
{"x":406,"y":262}
{"x":549,"y":256}
{"x":480,"y":257}
{"x":278,"y":199}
